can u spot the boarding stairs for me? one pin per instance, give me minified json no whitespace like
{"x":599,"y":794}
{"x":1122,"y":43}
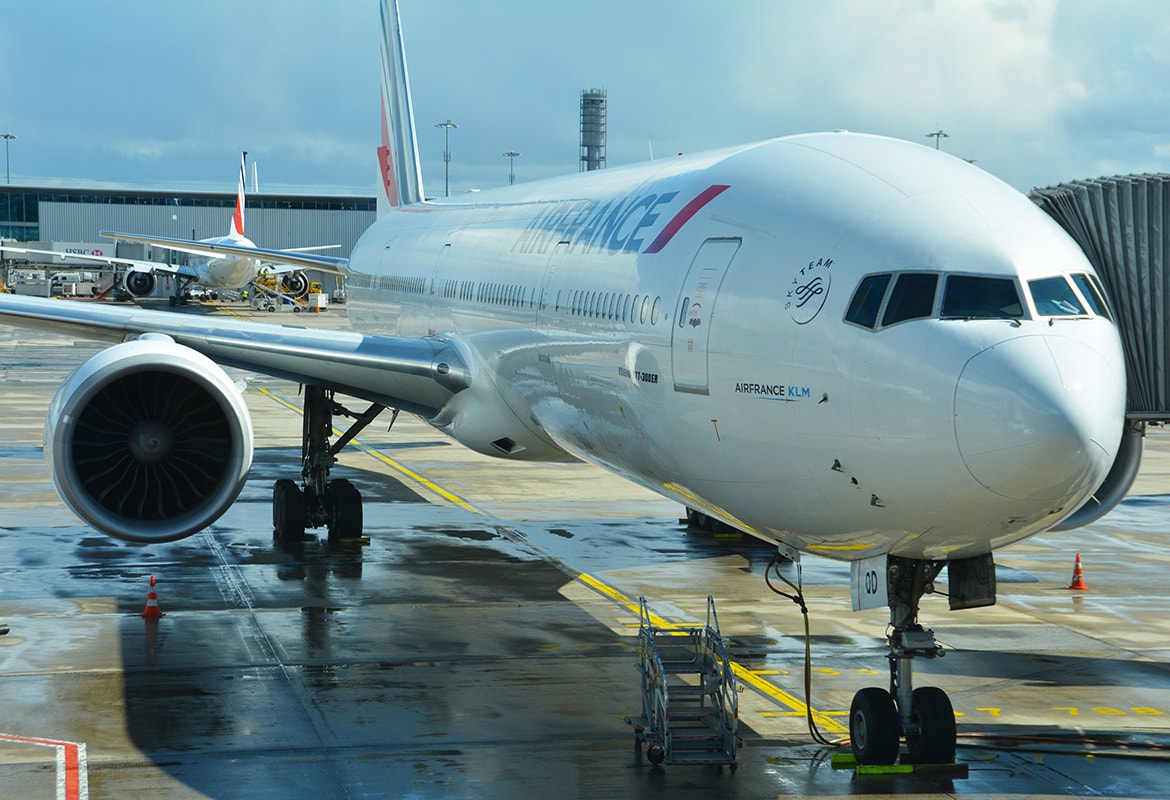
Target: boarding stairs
{"x":690,"y":706}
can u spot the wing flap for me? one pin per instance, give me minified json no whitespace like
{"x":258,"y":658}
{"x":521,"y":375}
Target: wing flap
{"x":416,"y":375}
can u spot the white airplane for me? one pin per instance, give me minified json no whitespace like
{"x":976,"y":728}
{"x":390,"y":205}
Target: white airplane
{"x":212,"y":269}
{"x":853,"y":346}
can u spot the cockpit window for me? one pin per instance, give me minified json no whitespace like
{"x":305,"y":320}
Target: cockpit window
{"x":1055,"y":298}
{"x":913,"y":297}
{"x":867,"y":300}
{"x":1093,"y":297}
{"x":971,"y":297}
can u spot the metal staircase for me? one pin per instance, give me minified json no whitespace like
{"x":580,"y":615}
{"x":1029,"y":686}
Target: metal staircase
{"x":690,"y":706}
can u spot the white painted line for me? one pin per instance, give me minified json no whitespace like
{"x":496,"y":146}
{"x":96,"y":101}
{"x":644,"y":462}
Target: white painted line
{"x":72,"y":765}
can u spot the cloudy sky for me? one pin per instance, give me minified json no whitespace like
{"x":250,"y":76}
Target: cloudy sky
{"x":166,"y":94}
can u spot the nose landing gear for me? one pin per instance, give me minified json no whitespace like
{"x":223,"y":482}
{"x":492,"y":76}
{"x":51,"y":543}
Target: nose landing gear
{"x":878,"y":719}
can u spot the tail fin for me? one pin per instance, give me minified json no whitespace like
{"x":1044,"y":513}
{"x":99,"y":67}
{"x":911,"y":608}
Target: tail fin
{"x":237,"y":230}
{"x":398,"y":156}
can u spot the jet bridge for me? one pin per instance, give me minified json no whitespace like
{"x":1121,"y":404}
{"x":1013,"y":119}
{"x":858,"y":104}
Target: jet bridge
{"x":1123,"y":225}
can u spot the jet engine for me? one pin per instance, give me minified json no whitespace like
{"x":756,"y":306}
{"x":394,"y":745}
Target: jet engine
{"x":1113,"y":489}
{"x":149,"y":441}
{"x":138,"y":282}
{"x":296,"y":283}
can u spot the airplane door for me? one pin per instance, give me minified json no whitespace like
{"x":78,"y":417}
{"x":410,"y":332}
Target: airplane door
{"x":549,"y":298}
{"x":691,"y":333}
{"x":435,"y":292}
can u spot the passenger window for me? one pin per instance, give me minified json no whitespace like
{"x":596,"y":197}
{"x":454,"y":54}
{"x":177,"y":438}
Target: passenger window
{"x":1093,"y":297}
{"x":970,"y":297}
{"x":913,"y":297}
{"x":1055,"y":298}
{"x":863,"y":310}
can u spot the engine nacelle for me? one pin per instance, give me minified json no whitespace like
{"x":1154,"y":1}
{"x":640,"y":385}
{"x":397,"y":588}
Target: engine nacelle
{"x":149,"y":441}
{"x":1113,"y":489}
{"x":138,"y":282}
{"x":295,"y":283}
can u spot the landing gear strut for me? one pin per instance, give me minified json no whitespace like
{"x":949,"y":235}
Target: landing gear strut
{"x":180,"y":297}
{"x":320,"y":501}
{"x":924,"y":717}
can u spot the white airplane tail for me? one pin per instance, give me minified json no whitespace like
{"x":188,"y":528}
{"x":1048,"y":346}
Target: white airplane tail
{"x":237,"y":229}
{"x":398,"y":163}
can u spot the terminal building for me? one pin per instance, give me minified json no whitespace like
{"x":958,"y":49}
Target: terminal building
{"x":68,"y":220}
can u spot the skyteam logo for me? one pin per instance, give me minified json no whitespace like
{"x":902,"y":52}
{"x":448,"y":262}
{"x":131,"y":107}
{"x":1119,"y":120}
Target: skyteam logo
{"x":808,"y":290}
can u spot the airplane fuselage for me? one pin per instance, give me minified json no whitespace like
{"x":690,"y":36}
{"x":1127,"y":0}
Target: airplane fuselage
{"x":691,"y":325}
{"x":228,"y":272}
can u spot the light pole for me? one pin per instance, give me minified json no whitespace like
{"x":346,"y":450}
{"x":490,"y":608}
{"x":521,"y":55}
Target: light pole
{"x":7,"y":137}
{"x":446,"y":126}
{"x":511,"y":155}
{"x":937,"y":135}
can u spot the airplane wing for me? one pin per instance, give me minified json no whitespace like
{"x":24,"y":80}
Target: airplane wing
{"x":115,"y":261}
{"x":415,"y":375}
{"x":293,"y":258}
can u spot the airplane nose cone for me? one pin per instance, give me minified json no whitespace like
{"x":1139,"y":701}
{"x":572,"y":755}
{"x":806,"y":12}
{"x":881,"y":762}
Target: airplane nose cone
{"x":1039,"y":417}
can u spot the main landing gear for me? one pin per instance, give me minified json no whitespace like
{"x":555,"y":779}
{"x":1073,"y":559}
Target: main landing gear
{"x":319,"y":500}
{"x":923,"y":717}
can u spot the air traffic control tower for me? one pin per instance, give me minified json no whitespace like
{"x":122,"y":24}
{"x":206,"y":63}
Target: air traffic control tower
{"x":593,"y":113}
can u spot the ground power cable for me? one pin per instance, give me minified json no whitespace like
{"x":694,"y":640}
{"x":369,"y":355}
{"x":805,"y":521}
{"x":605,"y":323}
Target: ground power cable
{"x":1036,"y":742}
{"x":797,"y":596}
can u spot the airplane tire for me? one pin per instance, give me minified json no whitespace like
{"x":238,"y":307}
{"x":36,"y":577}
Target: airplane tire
{"x":288,"y":513}
{"x":874,"y":727}
{"x":346,"y":517}
{"x":934,"y":743}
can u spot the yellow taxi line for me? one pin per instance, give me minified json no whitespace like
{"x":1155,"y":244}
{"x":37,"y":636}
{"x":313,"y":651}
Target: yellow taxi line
{"x":749,"y":676}
{"x":414,"y":476}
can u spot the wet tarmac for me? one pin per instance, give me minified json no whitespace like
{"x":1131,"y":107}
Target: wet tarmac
{"x":483,"y":644}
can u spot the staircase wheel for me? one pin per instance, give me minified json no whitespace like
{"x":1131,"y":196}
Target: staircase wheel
{"x":656,"y":754}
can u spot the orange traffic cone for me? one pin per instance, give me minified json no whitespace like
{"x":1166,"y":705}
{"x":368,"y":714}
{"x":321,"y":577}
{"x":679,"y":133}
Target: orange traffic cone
{"x":1078,"y":578}
{"x":152,"y":611}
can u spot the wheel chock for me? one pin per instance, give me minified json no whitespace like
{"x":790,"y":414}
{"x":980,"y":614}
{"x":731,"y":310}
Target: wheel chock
{"x":843,"y":761}
{"x":849,"y":761}
{"x":874,"y":770}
